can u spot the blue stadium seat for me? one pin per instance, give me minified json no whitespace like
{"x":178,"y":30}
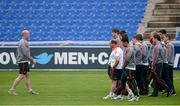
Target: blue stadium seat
{"x":69,"y":20}
{"x":178,"y":36}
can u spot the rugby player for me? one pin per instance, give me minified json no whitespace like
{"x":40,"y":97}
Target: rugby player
{"x":129,"y":68}
{"x":164,"y":75}
{"x":115,"y":67}
{"x":22,"y":60}
{"x":170,"y":63}
{"x":157,"y":66}
{"x":138,"y":62}
{"x":144,"y":65}
{"x":123,"y":87}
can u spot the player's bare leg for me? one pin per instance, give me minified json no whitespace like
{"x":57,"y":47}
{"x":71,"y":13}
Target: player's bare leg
{"x":14,"y":85}
{"x":28,"y":84}
{"x":121,"y":95}
{"x":113,"y":86}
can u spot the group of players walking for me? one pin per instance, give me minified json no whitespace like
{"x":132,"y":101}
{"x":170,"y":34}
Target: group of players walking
{"x":137,"y":65}
{"x":132,"y":65}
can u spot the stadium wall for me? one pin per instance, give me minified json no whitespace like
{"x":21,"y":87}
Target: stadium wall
{"x":60,"y":57}
{"x":54,"y":58}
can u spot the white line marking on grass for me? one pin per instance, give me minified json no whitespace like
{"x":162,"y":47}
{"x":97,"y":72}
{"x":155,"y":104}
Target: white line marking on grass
{"x":175,"y":78}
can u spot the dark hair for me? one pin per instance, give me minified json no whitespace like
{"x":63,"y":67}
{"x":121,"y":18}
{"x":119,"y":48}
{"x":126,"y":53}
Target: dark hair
{"x":125,"y":39}
{"x":156,"y":36}
{"x":124,"y":36}
{"x":139,"y":37}
{"x":163,"y":31}
{"x":113,"y":42}
{"x":115,"y":30}
{"x":122,"y":32}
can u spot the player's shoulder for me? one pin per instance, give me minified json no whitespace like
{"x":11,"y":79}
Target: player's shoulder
{"x":145,"y":44}
{"x":23,"y":42}
{"x":118,"y":49}
{"x":137,"y":47}
{"x":170,"y":45}
{"x":157,"y":45}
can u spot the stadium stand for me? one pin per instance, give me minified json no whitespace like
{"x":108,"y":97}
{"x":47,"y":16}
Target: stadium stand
{"x":74,"y":20}
{"x":161,"y":14}
{"x":178,"y":33}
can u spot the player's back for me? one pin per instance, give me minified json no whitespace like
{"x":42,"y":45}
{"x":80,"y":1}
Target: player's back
{"x":23,"y":50}
{"x":158,"y":54}
{"x":138,"y":54}
{"x":129,"y":58}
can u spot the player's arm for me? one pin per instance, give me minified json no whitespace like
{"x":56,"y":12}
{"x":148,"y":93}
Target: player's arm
{"x":168,"y":52}
{"x":155,"y":56}
{"x":25,"y":51}
{"x":16,"y":58}
{"x":117,"y":61}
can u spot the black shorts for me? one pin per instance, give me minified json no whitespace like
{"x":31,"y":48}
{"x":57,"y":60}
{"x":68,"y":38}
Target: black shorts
{"x":129,"y":74}
{"x":115,"y":74}
{"x":23,"y":68}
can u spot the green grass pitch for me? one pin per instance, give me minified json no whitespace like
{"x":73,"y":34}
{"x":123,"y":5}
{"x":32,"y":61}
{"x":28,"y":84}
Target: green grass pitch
{"x":72,"y":88}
